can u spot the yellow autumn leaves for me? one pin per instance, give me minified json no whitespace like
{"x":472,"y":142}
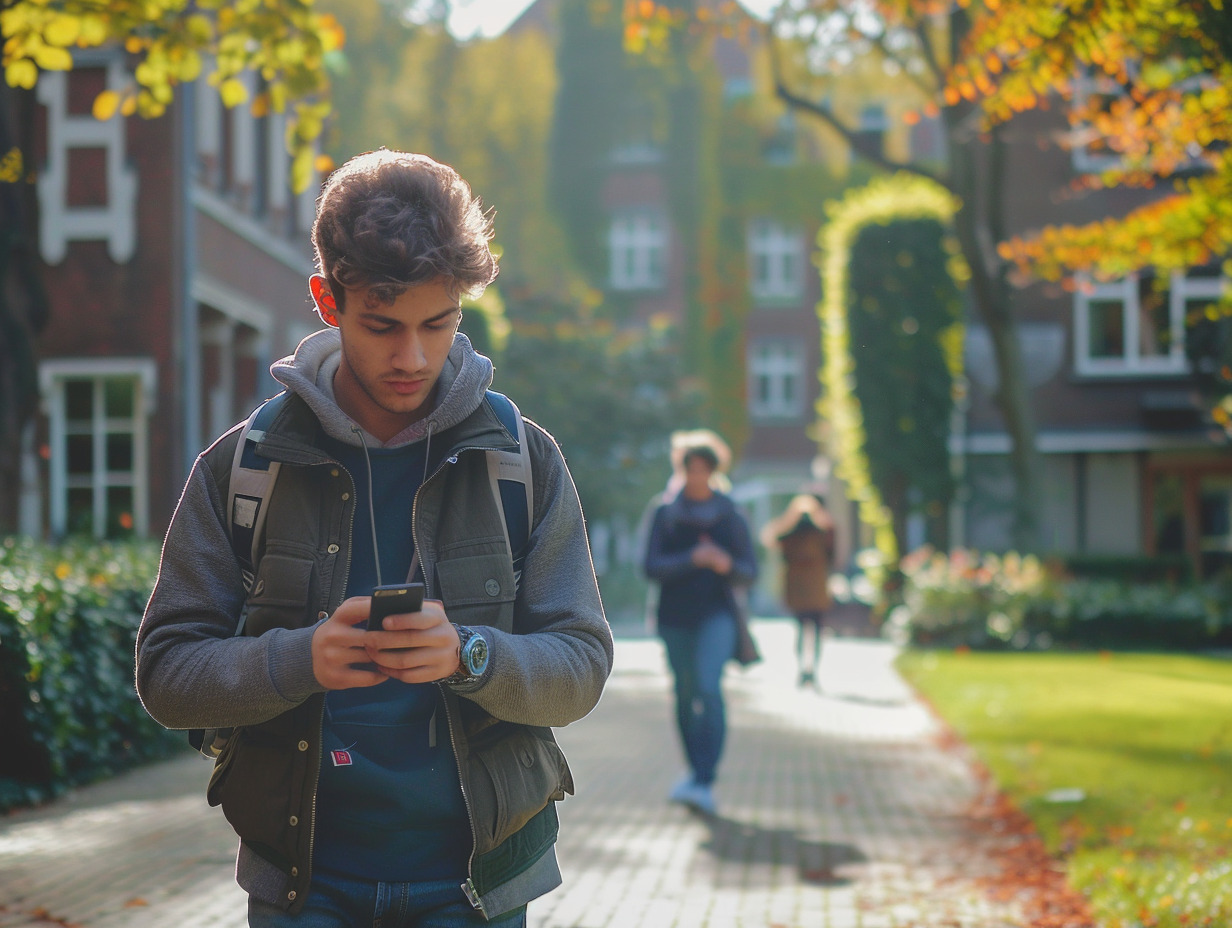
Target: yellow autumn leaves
{"x":284,"y":43}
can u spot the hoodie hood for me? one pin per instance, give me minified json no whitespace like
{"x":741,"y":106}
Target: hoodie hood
{"x":309,"y":373}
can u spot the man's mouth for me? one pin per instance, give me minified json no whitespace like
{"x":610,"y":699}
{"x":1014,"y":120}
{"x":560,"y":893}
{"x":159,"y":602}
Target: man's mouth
{"x":405,"y":387}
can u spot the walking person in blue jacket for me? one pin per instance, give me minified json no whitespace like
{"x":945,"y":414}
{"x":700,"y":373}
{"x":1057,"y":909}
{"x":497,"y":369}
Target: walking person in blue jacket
{"x":699,"y":549}
{"x":405,"y":775}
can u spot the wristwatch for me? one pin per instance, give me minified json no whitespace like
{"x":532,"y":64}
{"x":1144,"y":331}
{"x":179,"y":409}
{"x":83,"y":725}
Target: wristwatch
{"x":472,"y":655}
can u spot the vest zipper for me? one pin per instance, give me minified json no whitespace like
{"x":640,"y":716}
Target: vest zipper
{"x":320,"y":749}
{"x":468,"y":887}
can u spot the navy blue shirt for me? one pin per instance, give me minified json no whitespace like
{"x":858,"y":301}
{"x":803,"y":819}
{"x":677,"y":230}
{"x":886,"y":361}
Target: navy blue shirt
{"x":389,"y":803}
{"x":689,"y":594}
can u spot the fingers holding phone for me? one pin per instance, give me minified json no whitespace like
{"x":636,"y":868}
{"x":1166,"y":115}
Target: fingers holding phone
{"x":417,"y":647}
{"x":397,"y":599}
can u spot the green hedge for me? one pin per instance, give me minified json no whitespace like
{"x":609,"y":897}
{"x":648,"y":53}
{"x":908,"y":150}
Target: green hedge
{"x":69,"y":711}
{"x":988,"y":601}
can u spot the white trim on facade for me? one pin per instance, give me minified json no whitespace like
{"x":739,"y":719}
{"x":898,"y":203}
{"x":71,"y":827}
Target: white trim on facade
{"x":235,"y":304}
{"x":59,"y":223}
{"x":1127,"y":440}
{"x":252,"y":231}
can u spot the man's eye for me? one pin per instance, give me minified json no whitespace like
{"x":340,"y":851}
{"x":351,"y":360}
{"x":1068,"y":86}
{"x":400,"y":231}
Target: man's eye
{"x":380,"y":329}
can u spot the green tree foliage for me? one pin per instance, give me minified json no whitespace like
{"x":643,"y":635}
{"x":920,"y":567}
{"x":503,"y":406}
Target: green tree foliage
{"x":903,"y":308}
{"x":668,"y":100}
{"x":593,"y":108}
{"x":413,"y":86}
{"x":1161,"y":76}
{"x":610,"y":397}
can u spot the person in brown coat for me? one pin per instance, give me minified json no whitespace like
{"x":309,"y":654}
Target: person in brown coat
{"x":804,"y":537}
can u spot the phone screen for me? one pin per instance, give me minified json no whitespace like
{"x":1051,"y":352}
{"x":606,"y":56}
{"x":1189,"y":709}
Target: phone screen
{"x":394,"y":600}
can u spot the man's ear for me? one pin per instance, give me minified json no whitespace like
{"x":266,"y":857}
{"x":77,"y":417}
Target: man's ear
{"x":327,"y":306}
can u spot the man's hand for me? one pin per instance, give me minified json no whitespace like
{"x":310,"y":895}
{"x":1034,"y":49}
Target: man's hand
{"x":340,"y":660}
{"x":416,"y":647}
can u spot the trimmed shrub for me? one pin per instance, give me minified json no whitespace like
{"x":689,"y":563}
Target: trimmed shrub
{"x":68,"y":704}
{"x":988,"y":601}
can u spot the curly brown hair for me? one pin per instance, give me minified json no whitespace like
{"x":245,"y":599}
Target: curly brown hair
{"x":389,"y":220}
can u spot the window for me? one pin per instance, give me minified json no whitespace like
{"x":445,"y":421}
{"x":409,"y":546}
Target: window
{"x":869,"y":138}
{"x":87,"y":191}
{"x":776,"y":261}
{"x":776,"y":379}
{"x":638,"y":243}
{"x":97,"y":412}
{"x":1134,"y":327}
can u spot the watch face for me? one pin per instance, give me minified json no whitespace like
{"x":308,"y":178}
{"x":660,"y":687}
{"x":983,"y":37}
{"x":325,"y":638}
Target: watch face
{"x":475,"y":655}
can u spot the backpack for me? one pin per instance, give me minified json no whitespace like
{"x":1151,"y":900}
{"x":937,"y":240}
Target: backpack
{"x":252,"y":485}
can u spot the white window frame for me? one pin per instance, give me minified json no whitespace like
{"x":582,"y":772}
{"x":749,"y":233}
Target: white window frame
{"x":638,"y":249}
{"x":53,"y":375}
{"x":782,"y":250}
{"x":1181,"y":290}
{"x":780,"y":362}
{"x":115,"y":221}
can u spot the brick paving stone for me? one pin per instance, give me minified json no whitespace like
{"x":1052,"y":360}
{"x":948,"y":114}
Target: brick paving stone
{"x":837,"y":810}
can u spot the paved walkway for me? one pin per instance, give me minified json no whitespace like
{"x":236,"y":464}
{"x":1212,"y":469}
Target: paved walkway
{"x":838,"y":810}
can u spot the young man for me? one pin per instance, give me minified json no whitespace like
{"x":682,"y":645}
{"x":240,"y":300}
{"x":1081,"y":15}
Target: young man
{"x":699,"y":547}
{"x":392,"y":776}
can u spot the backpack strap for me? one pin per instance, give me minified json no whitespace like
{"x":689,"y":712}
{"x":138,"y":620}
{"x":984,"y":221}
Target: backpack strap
{"x":510,"y":475}
{"x":252,"y":483}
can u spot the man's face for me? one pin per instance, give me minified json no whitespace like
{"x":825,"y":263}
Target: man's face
{"x":392,"y":353}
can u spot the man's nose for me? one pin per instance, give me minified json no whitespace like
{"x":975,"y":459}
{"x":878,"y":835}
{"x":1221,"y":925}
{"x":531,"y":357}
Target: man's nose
{"x":410,"y":354}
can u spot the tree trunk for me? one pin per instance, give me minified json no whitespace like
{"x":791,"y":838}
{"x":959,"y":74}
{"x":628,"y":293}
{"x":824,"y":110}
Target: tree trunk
{"x":23,"y":306}
{"x":975,"y":172}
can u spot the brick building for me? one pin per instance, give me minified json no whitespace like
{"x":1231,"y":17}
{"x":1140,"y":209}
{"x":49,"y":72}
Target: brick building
{"x":175,"y":259}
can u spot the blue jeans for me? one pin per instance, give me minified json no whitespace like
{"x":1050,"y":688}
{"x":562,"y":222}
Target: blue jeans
{"x":696,"y":656}
{"x":339,"y":901}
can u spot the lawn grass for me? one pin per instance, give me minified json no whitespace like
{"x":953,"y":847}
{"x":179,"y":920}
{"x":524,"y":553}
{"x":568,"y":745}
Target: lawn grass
{"x":1147,"y":738}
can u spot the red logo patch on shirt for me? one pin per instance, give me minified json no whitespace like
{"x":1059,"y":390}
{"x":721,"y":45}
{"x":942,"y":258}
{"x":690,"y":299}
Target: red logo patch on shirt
{"x":342,"y":758}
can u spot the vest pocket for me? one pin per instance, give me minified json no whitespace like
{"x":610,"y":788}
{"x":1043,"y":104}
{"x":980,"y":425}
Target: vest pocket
{"x":280,"y":593}
{"x":515,"y":772}
{"x":477,"y":589}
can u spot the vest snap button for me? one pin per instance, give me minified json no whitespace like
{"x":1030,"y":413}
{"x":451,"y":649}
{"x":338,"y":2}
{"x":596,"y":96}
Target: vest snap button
{"x":303,"y":745}
{"x":294,"y":820}
{"x":291,"y":895}
{"x":295,"y":871}
{"x":332,"y":549}
{"x":333,"y":472}
{"x":492,"y":587}
{"x":345,"y":497}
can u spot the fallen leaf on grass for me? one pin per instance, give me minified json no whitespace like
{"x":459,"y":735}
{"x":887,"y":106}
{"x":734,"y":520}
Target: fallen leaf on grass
{"x":1026,"y":871}
{"x":135,"y":903}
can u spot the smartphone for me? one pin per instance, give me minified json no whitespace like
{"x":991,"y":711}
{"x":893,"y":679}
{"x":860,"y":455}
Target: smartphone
{"x":394,"y":600}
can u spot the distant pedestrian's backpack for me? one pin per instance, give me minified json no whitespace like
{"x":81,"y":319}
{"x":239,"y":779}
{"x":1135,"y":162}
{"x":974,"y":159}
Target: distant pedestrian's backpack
{"x":252,"y":485}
